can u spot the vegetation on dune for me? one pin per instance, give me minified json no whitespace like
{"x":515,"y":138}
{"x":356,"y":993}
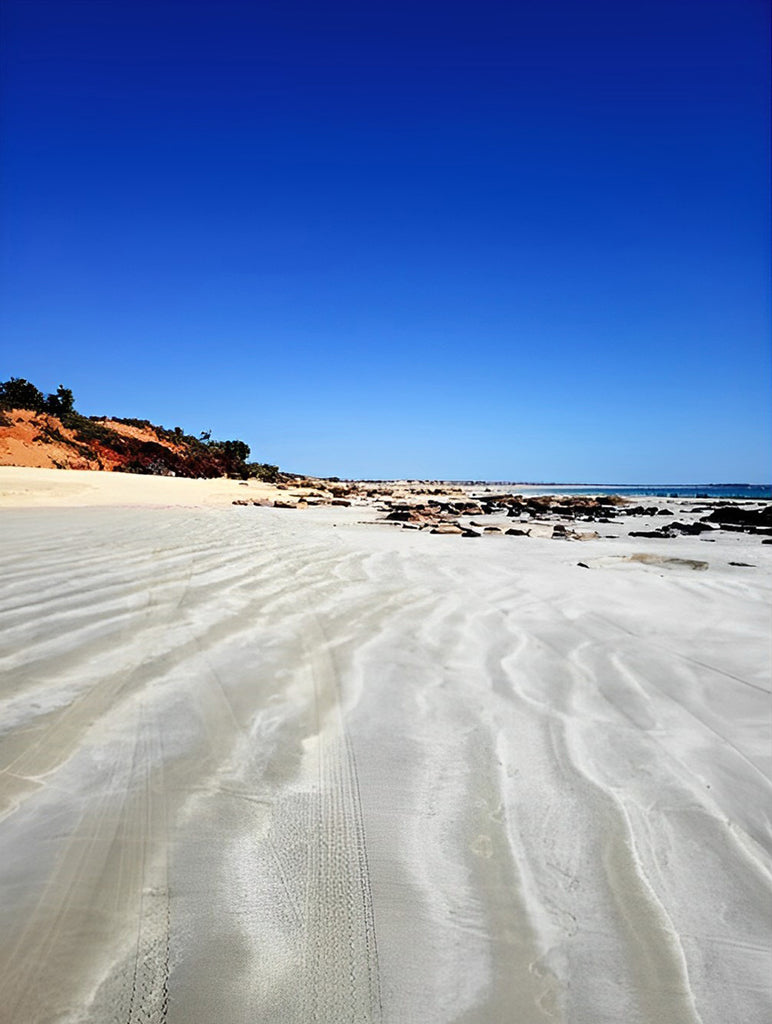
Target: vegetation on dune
{"x":264,"y":471}
{"x":173,"y":453}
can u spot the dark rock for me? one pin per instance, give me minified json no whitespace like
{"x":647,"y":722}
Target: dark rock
{"x":690,"y":528}
{"x":735,"y":515}
{"x":745,"y":565}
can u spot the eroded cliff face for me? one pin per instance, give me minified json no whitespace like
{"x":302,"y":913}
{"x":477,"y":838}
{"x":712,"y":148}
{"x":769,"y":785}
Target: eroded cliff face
{"x":40,"y":439}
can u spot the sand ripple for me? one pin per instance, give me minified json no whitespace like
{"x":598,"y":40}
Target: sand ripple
{"x":262,"y":769}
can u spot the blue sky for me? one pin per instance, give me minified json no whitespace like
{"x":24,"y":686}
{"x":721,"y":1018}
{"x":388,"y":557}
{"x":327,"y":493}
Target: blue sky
{"x":510,"y":240}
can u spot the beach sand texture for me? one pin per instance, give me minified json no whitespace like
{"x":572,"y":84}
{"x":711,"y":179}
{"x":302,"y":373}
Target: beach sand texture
{"x":279,"y":766}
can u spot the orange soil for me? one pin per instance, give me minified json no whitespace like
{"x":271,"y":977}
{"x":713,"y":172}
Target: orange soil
{"x":141,"y":434}
{"x":22,"y":443}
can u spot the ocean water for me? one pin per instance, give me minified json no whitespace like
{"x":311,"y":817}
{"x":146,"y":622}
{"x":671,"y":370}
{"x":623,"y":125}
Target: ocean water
{"x":752,"y":492}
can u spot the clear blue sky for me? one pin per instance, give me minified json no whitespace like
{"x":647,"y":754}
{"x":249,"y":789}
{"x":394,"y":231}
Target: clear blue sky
{"x":520,"y":240}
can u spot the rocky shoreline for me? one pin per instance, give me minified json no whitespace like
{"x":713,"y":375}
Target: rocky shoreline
{"x":474,"y":513}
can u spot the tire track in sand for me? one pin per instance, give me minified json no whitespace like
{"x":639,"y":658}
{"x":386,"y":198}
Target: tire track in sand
{"x":111,"y":864}
{"x":149,"y":998}
{"x":341,"y":954}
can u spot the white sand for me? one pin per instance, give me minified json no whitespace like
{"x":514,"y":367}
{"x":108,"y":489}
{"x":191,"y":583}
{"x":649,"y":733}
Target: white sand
{"x":23,"y":487}
{"x":260,"y":767}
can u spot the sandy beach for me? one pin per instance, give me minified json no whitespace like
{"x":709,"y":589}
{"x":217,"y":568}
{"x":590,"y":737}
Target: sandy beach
{"x":290,"y":766}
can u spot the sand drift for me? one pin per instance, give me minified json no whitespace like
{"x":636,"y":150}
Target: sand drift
{"x":257,"y":766}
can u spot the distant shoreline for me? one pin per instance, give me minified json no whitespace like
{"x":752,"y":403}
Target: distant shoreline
{"x":720,"y":490}
{"x":23,"y":485}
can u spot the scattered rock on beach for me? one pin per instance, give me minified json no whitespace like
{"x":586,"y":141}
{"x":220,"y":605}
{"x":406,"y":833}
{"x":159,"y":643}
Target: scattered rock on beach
{"x":541,"y":530}
{"x":690,"y":528}
{"x":558,"y":517}
{"x":736,"y":515}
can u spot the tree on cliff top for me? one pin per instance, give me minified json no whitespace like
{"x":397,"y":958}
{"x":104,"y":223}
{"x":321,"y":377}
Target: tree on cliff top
{"x":18,"y":393}
{"x":62,"y":403}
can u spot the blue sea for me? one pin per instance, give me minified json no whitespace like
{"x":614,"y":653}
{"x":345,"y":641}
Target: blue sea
{"x":751,"y":492}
